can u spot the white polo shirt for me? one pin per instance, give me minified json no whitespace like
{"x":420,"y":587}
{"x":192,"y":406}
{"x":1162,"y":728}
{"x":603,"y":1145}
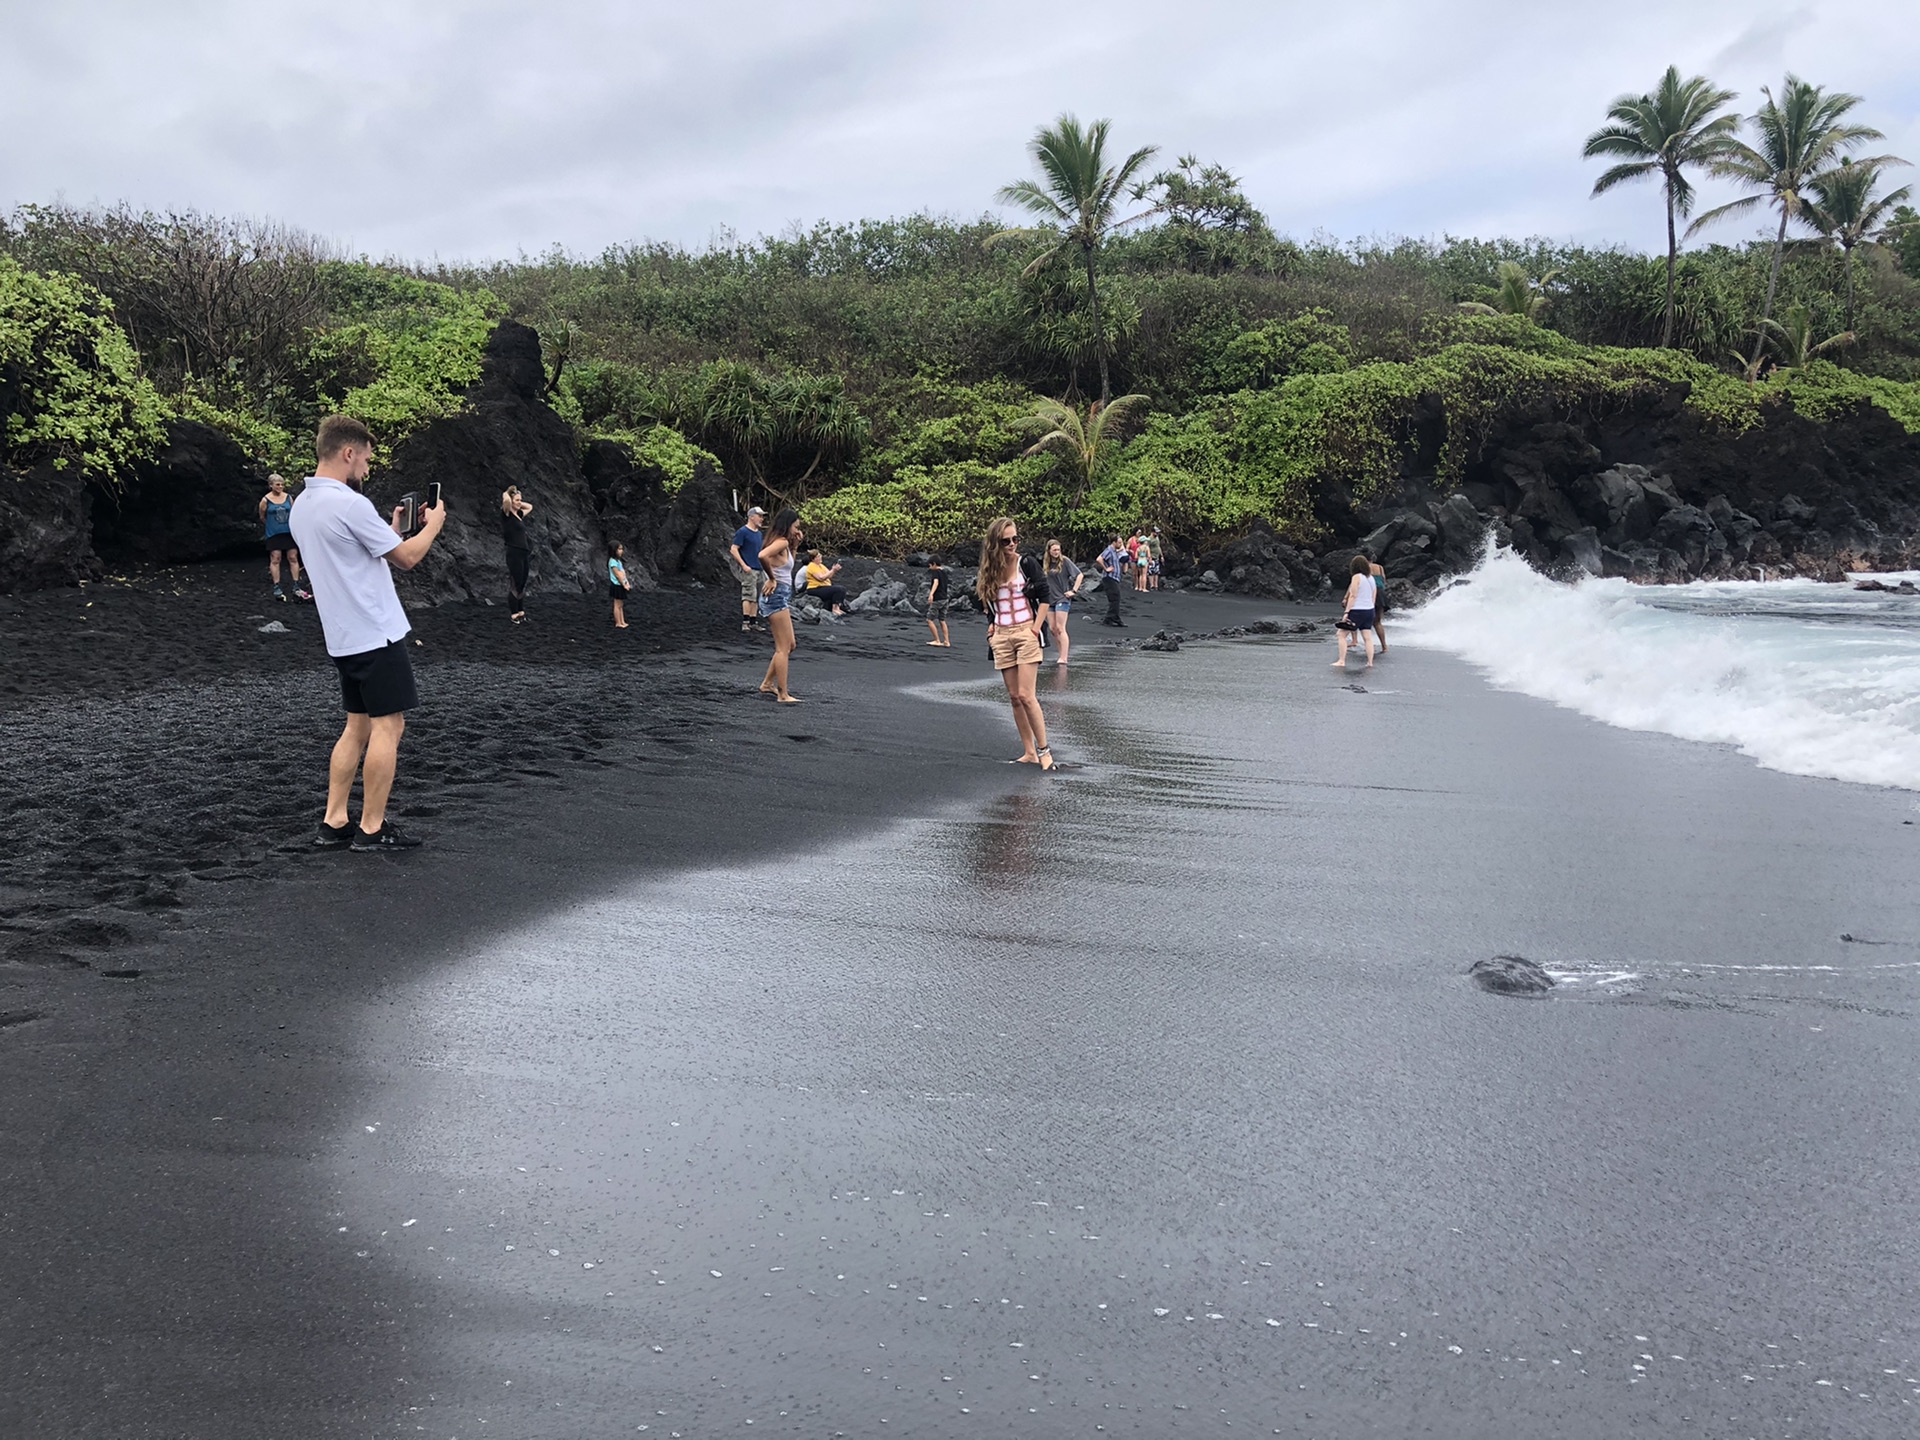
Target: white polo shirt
{"x":344,"y":544}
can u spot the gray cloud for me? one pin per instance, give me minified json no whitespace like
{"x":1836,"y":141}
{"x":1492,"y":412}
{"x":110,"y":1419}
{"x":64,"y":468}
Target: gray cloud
{"x":484,"y":129}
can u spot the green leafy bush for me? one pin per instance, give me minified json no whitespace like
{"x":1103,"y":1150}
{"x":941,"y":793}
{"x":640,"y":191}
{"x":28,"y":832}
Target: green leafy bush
{"x":409,"y":355}
{"x":70,"y":382}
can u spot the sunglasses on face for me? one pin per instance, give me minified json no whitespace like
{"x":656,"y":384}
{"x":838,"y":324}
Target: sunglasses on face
{"x":1010,"y":540}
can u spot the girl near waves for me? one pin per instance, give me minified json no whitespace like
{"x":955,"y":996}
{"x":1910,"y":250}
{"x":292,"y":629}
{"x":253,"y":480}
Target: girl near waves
{"x":1359,"y":619}
{"x":777,"y":555}
{"x":1013,"y":591}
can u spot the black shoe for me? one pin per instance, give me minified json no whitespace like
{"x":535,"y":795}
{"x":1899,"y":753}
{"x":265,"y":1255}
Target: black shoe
{"x":328,"y":837}
{"x":385,"y":838}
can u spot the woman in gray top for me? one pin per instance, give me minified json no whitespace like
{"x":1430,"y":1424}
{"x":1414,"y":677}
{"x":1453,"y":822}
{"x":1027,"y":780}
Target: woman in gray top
{"x":1063,"y":586}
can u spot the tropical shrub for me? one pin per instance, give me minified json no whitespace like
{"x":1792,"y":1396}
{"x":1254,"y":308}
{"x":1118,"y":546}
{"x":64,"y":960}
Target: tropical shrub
{"x":70,"y":383}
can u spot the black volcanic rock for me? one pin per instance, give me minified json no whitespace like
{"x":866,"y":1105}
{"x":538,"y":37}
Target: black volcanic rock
{"x":198,"y":498}
{"x":43,"y":529}
{"x":1510,"y":975}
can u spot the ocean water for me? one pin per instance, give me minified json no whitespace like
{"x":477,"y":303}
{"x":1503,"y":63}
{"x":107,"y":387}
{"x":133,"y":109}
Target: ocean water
{"x":1803,"y":677}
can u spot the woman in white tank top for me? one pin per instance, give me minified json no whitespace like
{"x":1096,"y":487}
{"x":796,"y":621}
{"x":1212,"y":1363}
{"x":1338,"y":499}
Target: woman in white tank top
{"x":1357,"y":623}
{"x":1016,"y":606}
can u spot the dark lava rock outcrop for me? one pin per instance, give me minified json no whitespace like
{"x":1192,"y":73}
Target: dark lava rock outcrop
{"x":507,"y":436}
{"x":45,"y":529}
{"x":1510,"y":975}
{"x":198,"y":498}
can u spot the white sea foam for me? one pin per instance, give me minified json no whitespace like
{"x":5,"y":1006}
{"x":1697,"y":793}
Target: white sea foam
{"x":1806,"y":678}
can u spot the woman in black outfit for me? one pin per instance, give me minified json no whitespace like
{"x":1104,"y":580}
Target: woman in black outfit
{"x":513,"y":529}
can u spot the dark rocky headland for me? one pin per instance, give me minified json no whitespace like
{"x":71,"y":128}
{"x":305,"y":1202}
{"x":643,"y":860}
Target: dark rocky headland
{"x":1648,"y":490}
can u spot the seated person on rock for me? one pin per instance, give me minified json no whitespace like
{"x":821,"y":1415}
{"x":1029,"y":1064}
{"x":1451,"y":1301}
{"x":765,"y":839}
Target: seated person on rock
{"x":820,"y":584}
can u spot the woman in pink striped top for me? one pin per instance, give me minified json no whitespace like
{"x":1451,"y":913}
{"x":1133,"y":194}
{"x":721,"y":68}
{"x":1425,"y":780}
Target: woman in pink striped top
{"x":1012,"y":589}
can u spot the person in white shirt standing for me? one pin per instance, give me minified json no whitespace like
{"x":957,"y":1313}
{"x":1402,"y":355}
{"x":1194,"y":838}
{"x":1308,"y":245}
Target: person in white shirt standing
{"x":351,"y":554}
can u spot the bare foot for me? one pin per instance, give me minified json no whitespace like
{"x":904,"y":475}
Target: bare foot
{"x":1339,"y":664}
{"x":1026,"y":759}
{"x":788,"y":699}
{"x":622,"y":626}
{"x":934,"y":643}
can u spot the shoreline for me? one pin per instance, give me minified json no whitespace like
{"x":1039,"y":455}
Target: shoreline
{"x":162,"y":987}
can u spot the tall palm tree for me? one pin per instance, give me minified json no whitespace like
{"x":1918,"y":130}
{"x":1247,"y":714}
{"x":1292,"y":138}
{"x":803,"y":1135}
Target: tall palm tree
{"x":1515,"y":293}
{"x":1077,"y":195}
{"x":1081,"y":443}
{"x":1676,"y":125}
{"x":1845,"y":211}
{"x":1801,"y":134}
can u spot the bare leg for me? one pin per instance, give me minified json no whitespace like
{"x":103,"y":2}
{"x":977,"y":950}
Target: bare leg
{"x":620,"y":614}
{"x":273,"y":564}
{"x":946,"y":635}
{"x":293,"y":559}
{"x":1380,"y":634}
{"x":1366,"y":639}
{"x":1341,"y":663}
{"x":1034,"y":731}
{"x":1029,"y":748}
{"x":1059,"y":623}
{"x":781,"y":623}
{"x":341,"y":769}
{"x":933,"y":627}
{"x":376,"y":770}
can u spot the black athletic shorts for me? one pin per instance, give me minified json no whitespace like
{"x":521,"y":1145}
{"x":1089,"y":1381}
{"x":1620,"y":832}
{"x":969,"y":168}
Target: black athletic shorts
{"x":277,"y":543}
{"x":378,"y":682}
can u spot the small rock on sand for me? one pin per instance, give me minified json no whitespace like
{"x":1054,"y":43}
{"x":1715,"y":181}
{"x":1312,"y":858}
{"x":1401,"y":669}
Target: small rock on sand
{"x":1510,"y":975}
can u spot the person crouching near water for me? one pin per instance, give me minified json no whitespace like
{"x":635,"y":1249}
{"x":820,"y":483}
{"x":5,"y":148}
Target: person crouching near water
{"x":1012,"y":589}
{"x":777,"y":553}
{"x":276,"y":511}
{"x":1359,"y":619}
{"x":618,"y":586}
{"x":1063,"y":588}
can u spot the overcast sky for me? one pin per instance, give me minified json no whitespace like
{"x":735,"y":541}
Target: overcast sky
{"x":464,"y":131}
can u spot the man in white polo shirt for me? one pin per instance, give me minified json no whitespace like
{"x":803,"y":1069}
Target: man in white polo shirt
{"x":350,"y":552}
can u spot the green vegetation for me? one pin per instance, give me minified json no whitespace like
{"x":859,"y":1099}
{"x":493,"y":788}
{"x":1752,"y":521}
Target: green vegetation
{"x":260,"y":331}
{"x":1077,"y":196}
{"x":1800,"y":136}
{"x":70,"y":383}
{"x":888,"y":375}
{"x":1678,"y":125}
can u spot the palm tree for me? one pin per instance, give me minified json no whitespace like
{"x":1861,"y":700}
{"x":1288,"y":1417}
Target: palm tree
{"x":1077,"y":196}
{"x":1515,"y":293}
{"x":1800,"y":135}
{"x":1081,"y":444}
{"x":1662,"y":133}
{"x":1793,"y":338}
{"x":1846,"y":213}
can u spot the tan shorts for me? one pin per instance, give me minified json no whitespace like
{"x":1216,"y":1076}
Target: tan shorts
{"x":1018,"y":646}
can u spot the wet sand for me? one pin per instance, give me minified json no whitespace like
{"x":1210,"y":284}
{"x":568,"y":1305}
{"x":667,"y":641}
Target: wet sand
{"x":1185,"y":1030}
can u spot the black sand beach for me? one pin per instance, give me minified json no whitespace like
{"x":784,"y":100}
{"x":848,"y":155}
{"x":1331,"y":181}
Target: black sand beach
{"x":1159,"y":1080}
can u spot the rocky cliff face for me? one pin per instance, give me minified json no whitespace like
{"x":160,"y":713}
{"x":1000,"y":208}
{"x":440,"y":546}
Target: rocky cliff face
{"x":44,"y":529}
{"x":506,"y":437}
{"x":1651,"y":492}
{"x":197,"y":499}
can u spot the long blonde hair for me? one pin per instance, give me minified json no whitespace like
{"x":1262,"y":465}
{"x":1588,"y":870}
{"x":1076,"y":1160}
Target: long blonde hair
{"x":997,"y":564}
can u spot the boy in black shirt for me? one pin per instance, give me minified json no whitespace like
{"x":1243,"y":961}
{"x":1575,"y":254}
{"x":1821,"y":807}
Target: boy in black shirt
{"x":937,"y":597}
